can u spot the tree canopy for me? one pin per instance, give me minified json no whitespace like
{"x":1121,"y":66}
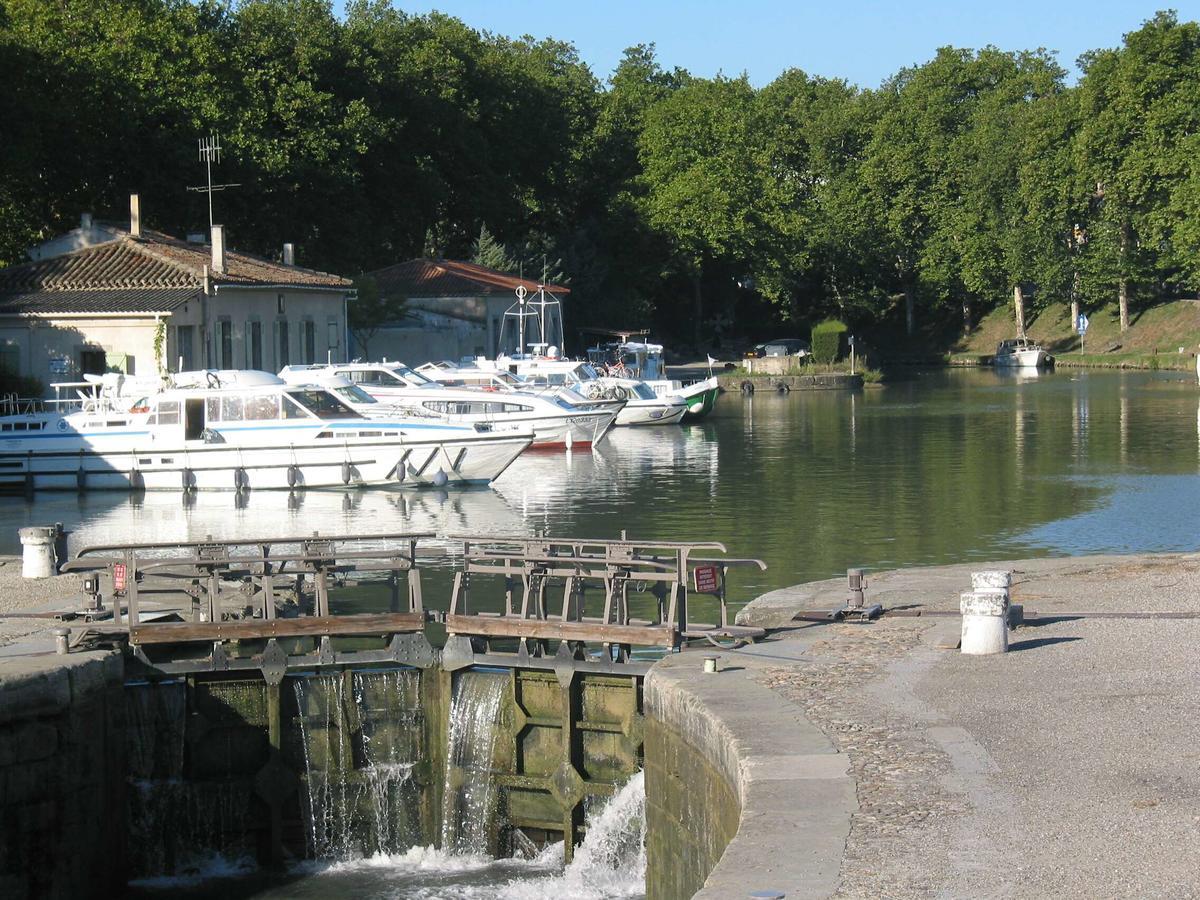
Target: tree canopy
{"x":692,"y":205}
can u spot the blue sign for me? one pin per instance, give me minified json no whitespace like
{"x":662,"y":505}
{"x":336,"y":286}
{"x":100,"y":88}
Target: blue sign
{"x":1081,"y":324}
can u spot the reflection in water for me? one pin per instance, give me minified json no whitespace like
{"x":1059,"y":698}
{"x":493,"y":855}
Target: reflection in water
{"x":921,"y":472}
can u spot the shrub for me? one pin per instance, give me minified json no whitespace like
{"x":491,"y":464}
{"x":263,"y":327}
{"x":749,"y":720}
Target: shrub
{"x":827,"y":340}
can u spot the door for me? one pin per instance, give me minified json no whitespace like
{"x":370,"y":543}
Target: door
{"x":193,"y":419}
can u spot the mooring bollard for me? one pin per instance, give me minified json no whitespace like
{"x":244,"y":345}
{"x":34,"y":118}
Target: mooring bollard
{"x":37,"y":551}
{"x":984,"y":621}
{"x":710,"y":663}
{"x":62,"y":645}
{"x":998,"y":580}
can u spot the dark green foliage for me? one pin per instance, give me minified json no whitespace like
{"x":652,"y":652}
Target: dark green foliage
{"x":700,"y":207}
{"x":827,"y":340}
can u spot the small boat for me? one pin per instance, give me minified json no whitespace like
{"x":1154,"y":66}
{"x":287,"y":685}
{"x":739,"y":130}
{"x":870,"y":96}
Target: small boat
{"x":494,"y":407}
{"x":1022,"y":353}
{"x":232,"y":430}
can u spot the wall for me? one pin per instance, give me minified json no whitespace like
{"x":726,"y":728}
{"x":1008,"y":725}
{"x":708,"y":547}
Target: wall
{"x":61,"y":776}
{"x":270,"y":307}
{"x":41,"y":340}
{"x":425,"y":337}
{"x":742,"y":793}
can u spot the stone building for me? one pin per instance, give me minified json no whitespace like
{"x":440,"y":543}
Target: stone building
{"x":102,"y":298}
{"x":454,"y":310}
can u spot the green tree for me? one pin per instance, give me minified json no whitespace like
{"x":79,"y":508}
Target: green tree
{"x":490,"y":253}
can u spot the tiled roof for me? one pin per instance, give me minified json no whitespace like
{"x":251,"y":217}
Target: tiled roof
{"x":128,"y":273}
{"x":450,"y":278}
{"x":134,"y":300}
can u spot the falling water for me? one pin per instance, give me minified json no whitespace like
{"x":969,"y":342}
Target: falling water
{"x":469,"y":799}
{"x":358,"y":753}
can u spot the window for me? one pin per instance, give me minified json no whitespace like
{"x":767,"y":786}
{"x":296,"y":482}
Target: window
{"x":185,"y":343}
{"x":260,"y":407}
{"x":279,"y":306}
{"x":92,"y":361}
{"x":323,"y":404}
{"x":214,"y":409}
{"x":168,"y":412}
{"x":231,"y":409}
{"x":308,"y":328}
{"x":285,"y":348}
{"x":225,"y":343}
{"x":254,"y":354}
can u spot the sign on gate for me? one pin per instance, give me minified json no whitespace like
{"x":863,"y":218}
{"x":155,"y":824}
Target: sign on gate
{"x":118,"y":578}
{"x":707,"y":579}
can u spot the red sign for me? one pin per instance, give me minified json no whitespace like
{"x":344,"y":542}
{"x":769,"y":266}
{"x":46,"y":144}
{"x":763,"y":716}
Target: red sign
{"x":707,"y":579}
{"x":118,"y":578}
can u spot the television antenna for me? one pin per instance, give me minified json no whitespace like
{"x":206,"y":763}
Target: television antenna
{"x":210,"y":152}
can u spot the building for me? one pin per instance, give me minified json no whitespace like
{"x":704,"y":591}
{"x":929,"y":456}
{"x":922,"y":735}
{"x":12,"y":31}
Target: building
{"x":101,"y":298}
{"x":456,"y":310}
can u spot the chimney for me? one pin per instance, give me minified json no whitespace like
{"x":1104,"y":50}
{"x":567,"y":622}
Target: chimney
{"x":135,"y":216}
{"x":85,"y":222}
{"x":218,"y":249}
{"x":289,"y":254}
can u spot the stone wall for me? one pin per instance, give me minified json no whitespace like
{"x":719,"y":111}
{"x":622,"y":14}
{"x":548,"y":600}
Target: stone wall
{"x":61,"y":776}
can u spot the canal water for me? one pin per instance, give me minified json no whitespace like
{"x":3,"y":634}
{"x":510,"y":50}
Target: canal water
{"x":948,"y":467}
{"x":944,"y":468}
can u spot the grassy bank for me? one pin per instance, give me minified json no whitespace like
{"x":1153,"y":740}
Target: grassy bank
{"x":842,"y":367}
{"x":1166,"y":336}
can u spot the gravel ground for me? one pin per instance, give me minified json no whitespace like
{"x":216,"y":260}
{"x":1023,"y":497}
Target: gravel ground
{"x":1065,"y":768}
{"x":19,"y":595}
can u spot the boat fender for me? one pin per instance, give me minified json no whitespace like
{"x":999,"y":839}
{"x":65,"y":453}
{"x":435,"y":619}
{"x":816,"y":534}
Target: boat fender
{"x":189,"y":480}
{"x":619,"y":393}
{"x":783,"y":388}
{"x":747,"y":387}
{"x":81,"y":478}
{"x":440,"y":478}
{"x":293,"y":475}
{"x":345,"y":473}
{"x":241,"y":480}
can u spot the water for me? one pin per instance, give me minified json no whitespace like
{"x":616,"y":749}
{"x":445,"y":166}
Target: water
{"x":469,"y":807}
{"x":949,"y":467}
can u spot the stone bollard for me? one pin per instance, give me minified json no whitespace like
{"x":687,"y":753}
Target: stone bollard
{"x":999,"y":580}
{"x":37,"y":554}
{"x":62,"y":641}
{"x":984,"y":621}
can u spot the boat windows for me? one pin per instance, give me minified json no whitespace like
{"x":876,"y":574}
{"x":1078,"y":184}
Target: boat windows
{"x":643,"y":391}
{"x":260,"y":407}
{"x":373,"y":376}
{"x":213,"y":409}
{"x":354,"y":394}
{"x":168,"y":412}
{"x":231,"y":409}
{"x":323,"y":404}
{"x":292,"y":409}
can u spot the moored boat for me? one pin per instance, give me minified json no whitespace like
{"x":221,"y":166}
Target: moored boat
{"x":1022,"y":353}
{"x":234,"y":430}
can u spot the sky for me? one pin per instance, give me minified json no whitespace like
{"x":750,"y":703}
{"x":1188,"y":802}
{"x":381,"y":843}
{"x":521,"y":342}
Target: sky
{"x":861,"y":41}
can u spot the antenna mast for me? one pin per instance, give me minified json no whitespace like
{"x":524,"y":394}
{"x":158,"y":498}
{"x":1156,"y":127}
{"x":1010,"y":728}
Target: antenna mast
{"x":210,"y":152}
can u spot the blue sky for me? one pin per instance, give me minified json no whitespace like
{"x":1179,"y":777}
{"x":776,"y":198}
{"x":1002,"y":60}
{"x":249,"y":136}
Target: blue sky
{"x":861,"y":41}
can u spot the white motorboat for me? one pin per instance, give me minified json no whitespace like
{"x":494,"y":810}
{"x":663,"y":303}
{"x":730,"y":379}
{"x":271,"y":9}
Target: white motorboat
{"x":554,"y":422}
{"x":1022,"y":353}
{"x":643,"y":360}
{"x":233,"y":430}
{"x":642,"y":405}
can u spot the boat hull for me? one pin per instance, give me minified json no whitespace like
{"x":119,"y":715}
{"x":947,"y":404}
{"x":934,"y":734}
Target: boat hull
{"x":642,"y":413}
{"x":167,"y":466}
{"x":1024,"y":359}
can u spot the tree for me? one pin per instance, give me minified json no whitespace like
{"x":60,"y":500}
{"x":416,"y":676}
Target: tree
{"x":369,"y":310}
{"x":490,"y":253}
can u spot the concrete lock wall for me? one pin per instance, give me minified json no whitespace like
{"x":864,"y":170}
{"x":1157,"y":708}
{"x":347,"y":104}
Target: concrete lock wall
{"x":61,"y":776}
{"x":742,"y":793}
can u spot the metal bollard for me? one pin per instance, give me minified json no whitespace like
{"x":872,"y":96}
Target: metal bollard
{"x":62,"y":645}
{"x":856,"y":579}
{"x":984,"y":621}
{"x":37,"y":551}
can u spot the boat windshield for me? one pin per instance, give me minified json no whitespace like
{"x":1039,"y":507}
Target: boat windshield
{"x":354,"y":394}
{"x":643,"y":391}
{"x":322,"y":404}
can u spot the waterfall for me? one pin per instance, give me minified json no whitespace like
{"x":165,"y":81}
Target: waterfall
{"x":469,"y":798}
{"x":358,"y":754}
{"x":612,"y":858}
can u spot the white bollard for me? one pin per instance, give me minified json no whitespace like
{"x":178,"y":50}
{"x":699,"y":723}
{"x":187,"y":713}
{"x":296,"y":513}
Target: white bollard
{"x":984,"y":621}
{"x":37,"y":551}
{"x":991,"y":579}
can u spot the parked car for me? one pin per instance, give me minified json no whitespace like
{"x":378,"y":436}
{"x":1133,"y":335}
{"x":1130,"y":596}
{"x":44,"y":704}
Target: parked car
{"x":780,"y":347}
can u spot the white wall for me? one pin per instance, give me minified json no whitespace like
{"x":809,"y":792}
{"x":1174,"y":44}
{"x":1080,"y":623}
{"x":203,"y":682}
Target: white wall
{"x":50,"y":348}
